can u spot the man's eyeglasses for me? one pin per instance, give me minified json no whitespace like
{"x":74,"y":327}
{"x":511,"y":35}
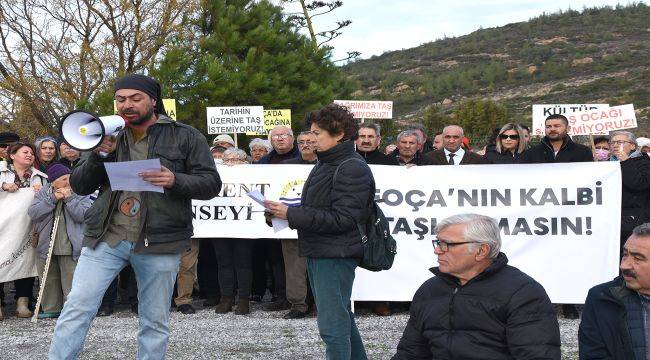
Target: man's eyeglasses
{"x":280,"y":136}
{"x":621,"y":142}
{"x":513,"y":137}
{"x":444,"y":246}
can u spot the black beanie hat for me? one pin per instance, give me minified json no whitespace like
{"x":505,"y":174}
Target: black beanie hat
{"x":145,"y":84}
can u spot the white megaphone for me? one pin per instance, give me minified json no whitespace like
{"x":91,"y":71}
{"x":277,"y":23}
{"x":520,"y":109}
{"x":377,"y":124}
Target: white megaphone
{"x":84,"y":131}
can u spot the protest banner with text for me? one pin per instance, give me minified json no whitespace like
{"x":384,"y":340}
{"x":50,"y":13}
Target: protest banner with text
{"x":273,"y":118}
{"x":236,"y":119}
{"x":368,"y":109}
{"x":542,"y":111}
{"x":563,"y":231}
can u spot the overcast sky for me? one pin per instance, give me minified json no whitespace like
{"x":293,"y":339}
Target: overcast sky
{"x":385,"y":25}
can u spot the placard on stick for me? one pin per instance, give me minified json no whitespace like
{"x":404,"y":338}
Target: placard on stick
{"x":235,"y":119}
{"x":542,"y":111}
{"x":368,"y":109}
{"x":273,"y":118}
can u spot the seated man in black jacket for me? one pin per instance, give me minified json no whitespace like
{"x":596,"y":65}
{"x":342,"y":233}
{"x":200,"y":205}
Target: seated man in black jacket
{"x":477,"y":306}
{"x":614,"y":319}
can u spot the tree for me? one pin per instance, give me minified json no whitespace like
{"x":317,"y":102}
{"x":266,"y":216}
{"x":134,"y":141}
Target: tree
{"x":479,"y":117}
{"x":314,"y":9}
{"x":55,"y":55}
{"x":244,"y":52}
{"x":434,"y":119}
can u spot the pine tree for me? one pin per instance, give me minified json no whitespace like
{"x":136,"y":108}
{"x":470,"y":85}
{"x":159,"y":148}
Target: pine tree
{"x":246,"y":52}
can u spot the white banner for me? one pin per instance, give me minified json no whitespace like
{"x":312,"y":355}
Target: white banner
{"x":17,"y":256}
{"x":560,"y":222}
{"x":236,"y":119}
{"x":603,"y":121}
{"x":368,"y":109}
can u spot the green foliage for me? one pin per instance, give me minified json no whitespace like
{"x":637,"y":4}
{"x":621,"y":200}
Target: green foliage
{"x":245,"y":52}
{"x":480,"y":117}
{"x":434,"y":119}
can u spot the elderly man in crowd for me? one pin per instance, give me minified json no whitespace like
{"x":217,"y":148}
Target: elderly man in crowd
{"x":368,"y":145}
{"x":283,"y":149}
{"x":644,"y":145}
{"x":452,"y":152}
{"x":223,"y":140}
{"x":407,"y":153}
{"x":69,"y":156}
{"x":615,"y":317}
{"x":426,"y":144}
{"x":477,"y":306}
{"x":258,"y":149}
{"x":635,"y":175}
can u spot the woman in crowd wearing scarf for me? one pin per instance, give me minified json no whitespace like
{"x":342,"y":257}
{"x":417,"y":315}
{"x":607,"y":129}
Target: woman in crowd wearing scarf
{"x":56,"y":201}
{"x":19,"y":182}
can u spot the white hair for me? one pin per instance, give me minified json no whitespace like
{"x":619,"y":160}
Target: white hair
{"x":278,"y":128}
{"x":480,"y":228}
{"x":261,"y":143}
{"x":405,"y":133}
{"x":241,"y":154}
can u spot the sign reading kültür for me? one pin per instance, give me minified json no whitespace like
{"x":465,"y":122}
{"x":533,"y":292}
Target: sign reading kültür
{"x":235,"y":119}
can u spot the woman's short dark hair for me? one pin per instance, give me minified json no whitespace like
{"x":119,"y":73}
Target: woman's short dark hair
{"x":335,"y":119}
{"x":17,"y":146}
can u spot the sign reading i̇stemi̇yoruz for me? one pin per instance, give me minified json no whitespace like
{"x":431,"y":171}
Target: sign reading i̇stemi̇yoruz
{"x":368,"y":109}
{"x":235,"y":119}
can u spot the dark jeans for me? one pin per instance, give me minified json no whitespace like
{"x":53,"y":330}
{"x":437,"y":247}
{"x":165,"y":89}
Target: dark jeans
{"x":331,"y":282}
{"x":276,"y":261}
{"x":207,"y":270}
{"x":268,"y":251}
{"x":234,"y":256}
{"x":24,"y":287}
{"x":260,"y":273}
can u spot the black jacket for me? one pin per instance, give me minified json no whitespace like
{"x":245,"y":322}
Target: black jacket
{"x":299,"y":161}
{"x":419,"y":159}
{"x":329,"y":212}
{"x":274,"y":158}
{"x":635,"y":209}
{"x":503,"y":157}
{"x":376,"y":157}
{"x":569,"y":152}
{"x":612,"y":324}
{"x":501,"y":313}
{"x":166,"y":217}
{"x":438,"y":157}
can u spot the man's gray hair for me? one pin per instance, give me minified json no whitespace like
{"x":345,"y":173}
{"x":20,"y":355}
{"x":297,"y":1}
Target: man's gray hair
{"x":628,"y":134}
{"x":415,"y":133}
{"x":261,"y":143}
{"x":241,"y":154}
{"x":480,"y":228}
{"x":279,"y":127}
{"x":642,"y":230}
{"x":452,"y":126}
{"x":373,"y":126}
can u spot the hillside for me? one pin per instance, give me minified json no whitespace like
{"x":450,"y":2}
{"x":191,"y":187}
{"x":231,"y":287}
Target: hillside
{"x":598,"y":55}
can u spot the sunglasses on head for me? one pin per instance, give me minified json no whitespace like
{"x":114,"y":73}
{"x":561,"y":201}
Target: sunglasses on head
{"x":504,"y":136}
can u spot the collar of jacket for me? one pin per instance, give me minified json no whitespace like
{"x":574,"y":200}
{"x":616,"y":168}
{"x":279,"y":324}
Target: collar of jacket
{"x":499,"y":263}
{"x":566,"y":143}
{"x":365,"y":154}
{"x":618,"y":292}
{"x":337,"y":153}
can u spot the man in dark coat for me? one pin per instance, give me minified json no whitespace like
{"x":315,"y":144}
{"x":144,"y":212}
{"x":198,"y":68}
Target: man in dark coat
{"x":368,"y":145}
{"x":452,"y":152}
{"x":557,"y":146}
{"x":407,"y":153}
{"x":615,"y":315}
{"x":283,"y":146}
{"x":148,"y":230}
{"x":477,"y":306}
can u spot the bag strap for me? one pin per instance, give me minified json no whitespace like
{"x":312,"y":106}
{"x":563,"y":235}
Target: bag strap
{"x":362,"y":230}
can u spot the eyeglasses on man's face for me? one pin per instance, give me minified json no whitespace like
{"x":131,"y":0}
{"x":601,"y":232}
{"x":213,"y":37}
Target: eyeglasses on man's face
{"x":444,"y":245}
{"x":621,"y":142}
{"x":280,"y":136}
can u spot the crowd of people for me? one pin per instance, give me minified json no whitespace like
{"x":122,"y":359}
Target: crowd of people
{"x":106,"y":233}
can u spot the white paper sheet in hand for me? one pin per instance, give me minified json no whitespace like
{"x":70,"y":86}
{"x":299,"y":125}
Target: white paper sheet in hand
{"x":257,"y":196}
{"x":123,"y":175}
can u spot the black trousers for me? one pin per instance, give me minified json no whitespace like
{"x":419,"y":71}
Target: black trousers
{"x":268,"y":262}
{"x":24,"y":287}
{"x":207,"y":270}
{"x":234,"y":257}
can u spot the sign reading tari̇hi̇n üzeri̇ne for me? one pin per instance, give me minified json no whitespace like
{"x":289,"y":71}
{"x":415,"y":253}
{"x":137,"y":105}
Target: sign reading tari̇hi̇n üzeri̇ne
{"x":368,"y":109}
{"x":236,"y":119}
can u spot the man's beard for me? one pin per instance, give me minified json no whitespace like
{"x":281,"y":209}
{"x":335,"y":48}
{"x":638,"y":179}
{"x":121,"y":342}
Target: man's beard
{"x":143,"y":119}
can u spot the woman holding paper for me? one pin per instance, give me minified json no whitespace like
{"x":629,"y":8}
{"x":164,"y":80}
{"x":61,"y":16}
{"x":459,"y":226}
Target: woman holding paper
{"x":327,"y":222}
{"x":19,"y":182}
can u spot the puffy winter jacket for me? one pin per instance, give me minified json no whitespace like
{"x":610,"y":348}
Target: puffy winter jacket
{"x":501,"y":313}
{"x":329,"y":212}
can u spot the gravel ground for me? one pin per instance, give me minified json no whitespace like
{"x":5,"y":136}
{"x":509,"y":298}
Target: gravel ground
{"x":206,"y":335}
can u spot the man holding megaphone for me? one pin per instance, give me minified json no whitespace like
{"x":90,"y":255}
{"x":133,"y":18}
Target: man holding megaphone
{"x":149,"y":230}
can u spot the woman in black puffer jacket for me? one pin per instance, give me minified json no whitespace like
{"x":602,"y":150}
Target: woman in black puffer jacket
{"x":510,"y":143}
{"x":327,"y":222}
